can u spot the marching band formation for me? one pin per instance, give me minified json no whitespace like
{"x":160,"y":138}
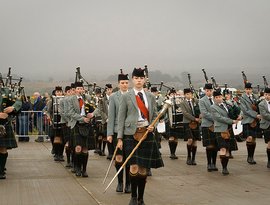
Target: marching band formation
{"x":131,"y":120}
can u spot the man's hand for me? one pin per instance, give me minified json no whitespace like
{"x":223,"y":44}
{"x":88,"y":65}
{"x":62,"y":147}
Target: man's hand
{"x":259,"y":117}
{"x":109,"y":139}
{"x":8,"y":109}
{"x":150,"y":128}
{"x":3,"y":115}
{"x":86,"y":120}
{"x":90,"y":115}
{"x":120,"y":144}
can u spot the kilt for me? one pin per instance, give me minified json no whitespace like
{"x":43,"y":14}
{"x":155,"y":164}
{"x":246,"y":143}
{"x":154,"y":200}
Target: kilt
{"x":191,"y":133}
{"x":208,"y":137}
{"x":84,"y":141}
{"x":176,"y":132}
{"x":229,"y":144}
{"x":266,"y":134}
{"x":147,"y":155}
{"x":66,"y":133}
{"x":249,"y":131}
{"x":8,"y":141}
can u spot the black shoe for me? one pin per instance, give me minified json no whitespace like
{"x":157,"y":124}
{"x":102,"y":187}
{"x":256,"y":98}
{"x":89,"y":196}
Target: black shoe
{"x":78,"y":173}
{"x":2,"y":176}
{"x":133,"y":201}
{"x":84,"y":174}
{"x":61,"y":158}
{"x":252,"y":161}
{"x":39,"y":139}
{"x":173,"y":156}
{"x":231,"y":156}
{"x":56,"y":158}
{"x":209,"y":168}
{"x":189,"y":162}
{"x":268,"y":164}
{"x":141,"y":202}
{"x":73,"y":170}
{"x":68,"y":165}
{"x":102,"y":154}
{"x":119,"y":187}
{"x":193,"y":162}
{"x":225,"y":171}
{"x":109,"y":157}
{"x":128,"y":188}
{"x":214,"y":168}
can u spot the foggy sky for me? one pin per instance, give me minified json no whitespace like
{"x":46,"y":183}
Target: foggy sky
{"x":44,"y":38}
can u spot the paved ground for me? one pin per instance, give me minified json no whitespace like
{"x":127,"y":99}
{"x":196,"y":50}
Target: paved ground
{"x":34,"y":178}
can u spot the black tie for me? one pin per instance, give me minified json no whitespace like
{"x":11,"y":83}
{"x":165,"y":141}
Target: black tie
{"x":211,"y":102}
{"x":223,"y":107}
{"x":250,"y":99}
{"x":141,"y":96}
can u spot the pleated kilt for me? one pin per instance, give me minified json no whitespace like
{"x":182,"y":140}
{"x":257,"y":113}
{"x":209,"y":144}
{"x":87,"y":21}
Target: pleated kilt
{"x":176,"y":132}
{"x":66,"y":133}
{"x":249,"y":131}
{"x":208,"y":137}
{"x":147,"y":155}
{"x":8,"y":141}
{"x":229,"y":144}
{"x":84,"y":141}
{"x":266,"y":134}
{"x":191,"y":133}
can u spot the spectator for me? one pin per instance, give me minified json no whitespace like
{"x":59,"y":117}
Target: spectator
{"x":38,"y":115}
{"x":24,"y":120}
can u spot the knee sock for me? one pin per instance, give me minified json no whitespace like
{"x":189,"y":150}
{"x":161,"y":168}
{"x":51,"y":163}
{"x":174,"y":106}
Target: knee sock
{"x":268,"y":154}
{"x":134,"y":184}
{"x":194,"y":151}
{"x":209,"y":156}
{"x":84,"y":157}
{"x":189,"y":151}
{"x":120,"y":175}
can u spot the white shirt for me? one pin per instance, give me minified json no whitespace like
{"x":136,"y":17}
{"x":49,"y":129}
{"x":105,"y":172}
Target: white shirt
{"x":145,"y":102}
{"x":268,"y":105}
{"x":224,"y":106}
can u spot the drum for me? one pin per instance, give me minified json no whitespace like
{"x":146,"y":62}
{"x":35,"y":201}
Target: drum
{"x":238,"y":128}
{"x":161,"y":127}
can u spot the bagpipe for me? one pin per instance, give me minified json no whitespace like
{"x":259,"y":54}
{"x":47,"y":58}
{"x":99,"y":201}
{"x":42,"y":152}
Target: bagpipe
{"x":91,"y":105}
{"x":255,"y":101}
{"x":11,"y":90}
{"x":265,"y":82}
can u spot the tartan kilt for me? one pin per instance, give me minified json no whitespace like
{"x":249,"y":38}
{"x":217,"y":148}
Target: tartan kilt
{"x":84,"y":141}
{"x":266,"y":134}
{"x":191,"y":133}
{"x":229,"y":144}
{"x":66,"y":133}
{"x":208,"y":137}
{"x":249,"y":131}
{"x":176,"y":132}
{"x":8,"y":141}
{"x":147,"y":155}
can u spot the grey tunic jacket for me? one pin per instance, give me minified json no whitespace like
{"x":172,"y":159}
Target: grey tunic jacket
{"x":247,"y":112}
{"x":221,"y":118}
{"x":186,"y":110}
{"x":265,"y":121}
{"x":112,"y":124}
{"x":128,"y":113}
{"x":207,"y":119}
{"x":103,"y":108}
{"x":74,"y":112}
